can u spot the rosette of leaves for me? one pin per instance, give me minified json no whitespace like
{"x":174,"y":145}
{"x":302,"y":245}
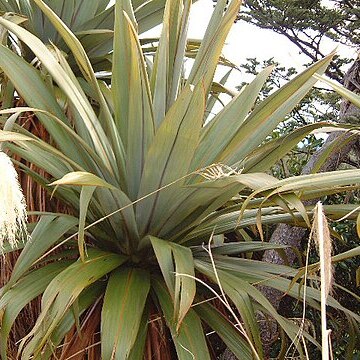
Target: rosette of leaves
{"x":149,"y":181}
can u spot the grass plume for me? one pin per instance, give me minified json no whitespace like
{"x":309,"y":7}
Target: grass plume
{"x":13,"y":214}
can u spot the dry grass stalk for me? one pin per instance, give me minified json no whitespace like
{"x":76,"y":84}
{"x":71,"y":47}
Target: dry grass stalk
{"x":321,"y":235}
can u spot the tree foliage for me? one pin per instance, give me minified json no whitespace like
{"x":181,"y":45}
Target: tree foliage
{"x":307,"y":23}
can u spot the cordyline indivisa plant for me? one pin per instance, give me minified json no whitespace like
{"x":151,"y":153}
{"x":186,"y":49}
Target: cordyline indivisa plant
{"x":147,"y":179}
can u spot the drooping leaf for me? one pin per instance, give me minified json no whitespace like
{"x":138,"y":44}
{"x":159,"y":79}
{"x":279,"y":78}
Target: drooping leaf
{"x":85,"y":198}
{"x":232,"y":283}
{"x":25,"y":290}
{"x":227,"y":331}
{"x":189,"y":340}
{"x":233,"y":248}
{"x":177,"y":267}
{"x":163,"y":252}
{"x":48,"y":231}
{"x":122,"y":311}
{"x":82,"y":178}
{"x":61,"y":294}
{"x":61,"y":126}
{"x":12,"y":136}
{"x":244,"y":305}
{"x":85,"y":301}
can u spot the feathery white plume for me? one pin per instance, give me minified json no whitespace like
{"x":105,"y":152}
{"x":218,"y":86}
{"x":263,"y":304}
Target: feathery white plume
{"x":12,"y":205}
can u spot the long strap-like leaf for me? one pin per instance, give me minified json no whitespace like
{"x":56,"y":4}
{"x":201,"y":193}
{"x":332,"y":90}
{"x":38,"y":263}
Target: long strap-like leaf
{"x":168,"y":63}
{"x":131,"y":95}
{"x":121,"y":316}
{"x":170,"y":154}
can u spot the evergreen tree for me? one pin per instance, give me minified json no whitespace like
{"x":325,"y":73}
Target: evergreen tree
{"x":308,"y":23}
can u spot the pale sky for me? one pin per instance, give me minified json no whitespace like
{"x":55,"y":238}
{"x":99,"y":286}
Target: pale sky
{"x":246,"y":41}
